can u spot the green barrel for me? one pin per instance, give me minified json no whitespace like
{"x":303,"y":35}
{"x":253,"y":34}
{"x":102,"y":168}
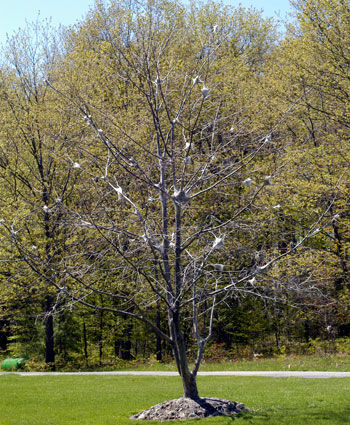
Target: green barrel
{"x":13,"y":364}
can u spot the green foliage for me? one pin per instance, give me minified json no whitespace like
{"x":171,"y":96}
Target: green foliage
{"x":294,"y":90}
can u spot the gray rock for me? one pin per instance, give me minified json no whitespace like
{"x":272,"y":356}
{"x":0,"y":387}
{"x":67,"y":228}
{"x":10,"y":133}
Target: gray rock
{"x":186,"y":408}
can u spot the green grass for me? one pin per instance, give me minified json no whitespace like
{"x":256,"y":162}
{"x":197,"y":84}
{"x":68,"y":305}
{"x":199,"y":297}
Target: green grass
{"x":340,"y":363}
{"x":319,"y":362}
{"x":107,"y":400}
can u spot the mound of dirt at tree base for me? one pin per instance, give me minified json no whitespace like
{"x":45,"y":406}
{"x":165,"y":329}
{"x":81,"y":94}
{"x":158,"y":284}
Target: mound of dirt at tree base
{"x":186,"y":408}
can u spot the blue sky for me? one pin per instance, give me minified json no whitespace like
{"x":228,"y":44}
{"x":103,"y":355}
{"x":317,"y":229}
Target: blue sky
{"x":14,"y":13}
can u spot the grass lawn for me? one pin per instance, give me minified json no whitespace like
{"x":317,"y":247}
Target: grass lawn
{"x":340,"y":363}
{"x":107,"y":400}
{"x":319,"y":363}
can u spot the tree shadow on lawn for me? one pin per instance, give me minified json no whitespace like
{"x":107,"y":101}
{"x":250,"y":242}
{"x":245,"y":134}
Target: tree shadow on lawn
{"x":277,"y":417}
{"x":295,"y":416}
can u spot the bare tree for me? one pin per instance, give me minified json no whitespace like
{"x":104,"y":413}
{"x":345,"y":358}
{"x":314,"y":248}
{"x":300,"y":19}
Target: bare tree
{"x":171,"y":164}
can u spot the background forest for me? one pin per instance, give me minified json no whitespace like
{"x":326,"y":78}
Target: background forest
{"x":282,"y":112}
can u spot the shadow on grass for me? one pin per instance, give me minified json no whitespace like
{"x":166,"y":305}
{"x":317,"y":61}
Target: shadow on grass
{"x":229,"y":419}
{"x":290,"y":416}
{"x":340,"y":417}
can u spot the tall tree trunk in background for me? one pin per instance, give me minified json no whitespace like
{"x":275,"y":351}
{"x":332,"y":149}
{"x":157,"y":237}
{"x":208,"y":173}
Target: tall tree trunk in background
{"x":49,"y":334}
{"x":85,"y":344}
{"x":3,"y":336}
{"x":158,"y":337}
{"x":125,"y":343}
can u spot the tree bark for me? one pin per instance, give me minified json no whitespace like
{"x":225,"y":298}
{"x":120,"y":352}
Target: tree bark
{"x":85,"y":344}
{"x":49,"y":334}
{"x":189,"y":382}
{"x":158,"y":337}
{"x":3,"y":336}
{"x":125,"y":347}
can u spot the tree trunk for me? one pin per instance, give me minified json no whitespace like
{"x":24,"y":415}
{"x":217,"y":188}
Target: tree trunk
{"x":125,"y":341}
{"x":189,"y":382}
{"x":100,"y":339}
{"x":158,"y":337}
{"x":116,"y":345}
{"x":85,"y":344}
{"x":49,"y":335}
{"x":3,"y":336}
{"x":125,"y":347}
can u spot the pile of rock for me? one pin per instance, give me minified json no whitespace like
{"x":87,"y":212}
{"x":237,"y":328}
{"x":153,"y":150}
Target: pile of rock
{"x":186,"y":408}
